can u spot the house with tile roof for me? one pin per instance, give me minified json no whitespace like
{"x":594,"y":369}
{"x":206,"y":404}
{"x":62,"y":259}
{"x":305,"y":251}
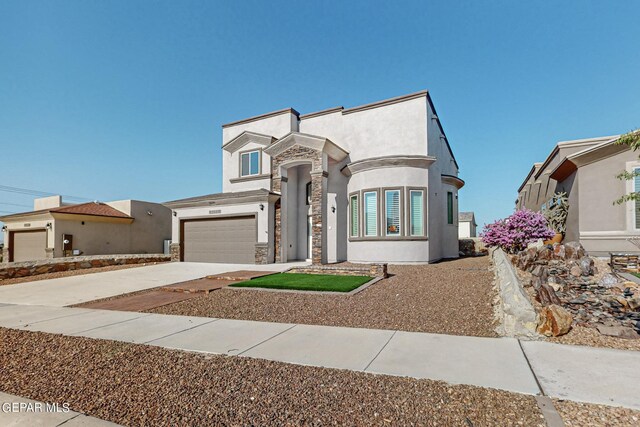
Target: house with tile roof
{"x":55,"y":229}
{"x":586,"y":170}
{"x":372,"y":183}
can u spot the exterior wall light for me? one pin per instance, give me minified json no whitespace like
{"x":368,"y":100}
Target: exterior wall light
{"x":4,"y":228}
{"x":261,"y":206}
{"x":49,"y":226}
{"x":333,"y":209}
{"x":175,"y":213}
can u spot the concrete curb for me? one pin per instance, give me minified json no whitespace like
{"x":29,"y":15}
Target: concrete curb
{"x":515,"y":313}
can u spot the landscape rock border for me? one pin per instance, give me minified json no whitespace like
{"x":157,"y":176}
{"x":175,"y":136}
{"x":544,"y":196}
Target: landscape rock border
{"x":516,"y":315}
{"x":33,"y":268}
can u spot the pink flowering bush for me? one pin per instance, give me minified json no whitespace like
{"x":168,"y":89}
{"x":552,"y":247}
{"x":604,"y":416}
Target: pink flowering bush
{"x":515,"y":232}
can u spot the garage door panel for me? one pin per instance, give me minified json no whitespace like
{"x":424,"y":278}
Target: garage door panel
{"x":220,"y":240}
{"x":29,"y":245}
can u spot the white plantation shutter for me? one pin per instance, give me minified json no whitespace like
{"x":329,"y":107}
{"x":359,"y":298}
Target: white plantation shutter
{"x":392,"y":205}
{"x":354,"y":216}
{"x":416,"y":213}
{"x":636,"y":183}
{"x":371,"y":214}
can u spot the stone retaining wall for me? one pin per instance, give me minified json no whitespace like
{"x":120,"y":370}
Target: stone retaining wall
{"x":371,"y":270}
{"x":32,"y":268}
{"x":515,"y":313}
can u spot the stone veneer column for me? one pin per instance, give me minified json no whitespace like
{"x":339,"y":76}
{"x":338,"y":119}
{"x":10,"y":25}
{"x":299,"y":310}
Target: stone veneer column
{"x":174,"y":251}
{"x":318,"y":204}
{"x":276,"y":186}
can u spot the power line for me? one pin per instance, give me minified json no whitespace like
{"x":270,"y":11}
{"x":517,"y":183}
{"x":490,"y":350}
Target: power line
{"x":15,"y":204}
{"x":30,"y":192}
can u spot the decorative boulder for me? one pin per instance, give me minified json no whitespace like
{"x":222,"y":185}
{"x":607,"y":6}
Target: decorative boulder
{"x":608,"y":281}
{"x":554,"y":321}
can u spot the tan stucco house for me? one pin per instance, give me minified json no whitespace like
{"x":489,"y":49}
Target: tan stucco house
{"x":56,"y":229}
{"x":373,"y":183}
{"x":586,"y":169}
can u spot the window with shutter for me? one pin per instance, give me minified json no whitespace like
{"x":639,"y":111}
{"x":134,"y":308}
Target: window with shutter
{"x":392,"y":212}
{"x":416,"y":212}
{"x":354,"y":216}
{"x":370,"y":213}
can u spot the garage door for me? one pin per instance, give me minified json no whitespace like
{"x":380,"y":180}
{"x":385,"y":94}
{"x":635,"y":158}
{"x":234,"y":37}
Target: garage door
{"x":29,"y":245}
{"x":220,"y":240}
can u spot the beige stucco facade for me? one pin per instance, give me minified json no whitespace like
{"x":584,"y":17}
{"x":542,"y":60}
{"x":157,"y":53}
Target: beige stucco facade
{"x":141,"y":229}
{"x":312,"y":166}
{"x":586,"y":170}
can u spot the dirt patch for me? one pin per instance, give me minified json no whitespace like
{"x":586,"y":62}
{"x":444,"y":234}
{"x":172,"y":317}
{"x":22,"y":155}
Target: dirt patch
{"x":69,"y":273}
{"x":453,"y":297}
{"x":587,"y":414}
{"x":144,"y":385}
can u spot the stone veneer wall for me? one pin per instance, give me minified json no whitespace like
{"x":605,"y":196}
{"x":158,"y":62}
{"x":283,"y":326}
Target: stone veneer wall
{"x":318,"y":182}
{"x":174,"y":250}
{"x":262,"y":253}
{"x":372,"y":270}
{"x":33,"y":268}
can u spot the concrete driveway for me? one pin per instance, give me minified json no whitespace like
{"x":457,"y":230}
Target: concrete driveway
{"x":78,"y":289}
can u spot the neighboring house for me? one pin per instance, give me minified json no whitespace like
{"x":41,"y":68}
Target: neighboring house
{"x":466,"y":225}
{"x":54,"y":229}
{"x":586,"y":169}
{"x":377,"y":182}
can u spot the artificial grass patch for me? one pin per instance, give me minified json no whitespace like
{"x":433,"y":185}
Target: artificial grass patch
{"x":305,"y":282}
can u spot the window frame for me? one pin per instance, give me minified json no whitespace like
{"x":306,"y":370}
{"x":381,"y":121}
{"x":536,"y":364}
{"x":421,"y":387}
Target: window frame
{"x":355,"y":195}
{"x":363,"y":213}
{"x":425,"y":223}
{"x":249,"y":153}
{"x":400,"y":212}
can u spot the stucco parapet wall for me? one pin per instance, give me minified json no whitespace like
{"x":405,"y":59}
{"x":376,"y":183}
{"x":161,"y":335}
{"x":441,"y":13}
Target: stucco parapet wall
{"x":516,"y":315}
{"x":262,"y":117}
{"x":33,"y":268}
{"x":253,"y":196}
{"x":372,"y":270}
{"x":415,"y":161}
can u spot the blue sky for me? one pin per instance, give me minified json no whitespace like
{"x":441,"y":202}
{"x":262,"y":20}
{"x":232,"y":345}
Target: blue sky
{"x":124,"y":99}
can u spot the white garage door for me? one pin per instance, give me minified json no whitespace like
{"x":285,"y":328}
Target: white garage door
{"x":230,"y":240}
{"x":29,"y":245}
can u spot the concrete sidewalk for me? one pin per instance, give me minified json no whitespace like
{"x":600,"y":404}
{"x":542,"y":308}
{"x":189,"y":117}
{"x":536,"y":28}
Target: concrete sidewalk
{"x":566,"y":372}
{"x":89,"y":287}
{"x":18,"y":411}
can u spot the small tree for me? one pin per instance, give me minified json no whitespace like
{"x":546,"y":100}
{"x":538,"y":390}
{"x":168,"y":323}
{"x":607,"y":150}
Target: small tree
{"x":632,"y":139}
{"x":515,"y":232}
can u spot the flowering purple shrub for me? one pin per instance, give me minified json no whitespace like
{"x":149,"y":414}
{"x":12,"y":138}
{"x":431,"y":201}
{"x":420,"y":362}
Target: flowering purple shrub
{"x":515,"y":232}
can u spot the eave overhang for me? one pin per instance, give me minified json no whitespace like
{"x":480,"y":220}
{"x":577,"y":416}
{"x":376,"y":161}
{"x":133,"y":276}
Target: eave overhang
{"x":415,"y":161}
{"x":218,"y":199}
{"x":247,"y":137}
{"x":452,"y":180}
{"x":314,"y":142}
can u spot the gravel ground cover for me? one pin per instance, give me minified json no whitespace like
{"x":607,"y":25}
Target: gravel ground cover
{"x":143,"y":385}
{"x":79,"y":272}
{"x":576,"y":414}
{"x":452,"y":297}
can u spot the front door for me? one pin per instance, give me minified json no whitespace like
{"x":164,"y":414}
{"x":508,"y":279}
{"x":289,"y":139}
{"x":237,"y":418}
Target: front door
{"x":309,"y":237}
